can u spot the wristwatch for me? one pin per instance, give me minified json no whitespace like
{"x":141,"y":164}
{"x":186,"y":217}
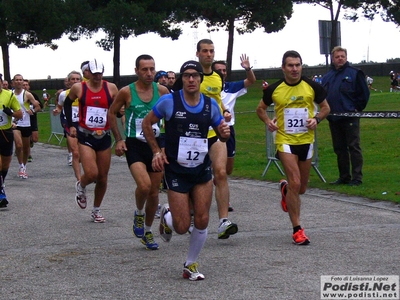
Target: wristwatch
{"x":318,"y":119}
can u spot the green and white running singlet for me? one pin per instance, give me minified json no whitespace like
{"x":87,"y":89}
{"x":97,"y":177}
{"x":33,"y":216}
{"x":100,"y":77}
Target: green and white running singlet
{"x":136,"y":112}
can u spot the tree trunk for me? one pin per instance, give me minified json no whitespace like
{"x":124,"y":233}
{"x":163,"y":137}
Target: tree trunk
{"x":6,"y":60}
{"x":334,"y":34}
{"x":334,"y":19}
{"x":116,"y":59}
{"x":231,"y":32}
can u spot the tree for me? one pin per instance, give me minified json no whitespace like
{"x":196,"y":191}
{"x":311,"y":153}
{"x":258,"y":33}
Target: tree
{"x":122,"y":19}
{"x":388,"y":9}
{"x":243,"y":15}
{"x":29,"y":23}
{"x":391,"y":11}
{"x":393,"y":60}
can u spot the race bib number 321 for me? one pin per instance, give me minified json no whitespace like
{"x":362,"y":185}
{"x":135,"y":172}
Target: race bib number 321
{"x":295,"y":120}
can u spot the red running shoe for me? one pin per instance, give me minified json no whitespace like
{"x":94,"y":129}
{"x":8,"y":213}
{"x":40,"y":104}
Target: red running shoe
{"x":282,"y":187}
{"x":300,"y":238}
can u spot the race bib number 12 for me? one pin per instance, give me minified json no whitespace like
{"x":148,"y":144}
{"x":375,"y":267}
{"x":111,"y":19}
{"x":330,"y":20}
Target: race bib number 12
{"x":192,"y":151}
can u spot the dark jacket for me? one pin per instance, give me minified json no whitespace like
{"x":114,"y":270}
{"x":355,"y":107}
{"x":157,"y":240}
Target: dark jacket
{"x":347,"y":90}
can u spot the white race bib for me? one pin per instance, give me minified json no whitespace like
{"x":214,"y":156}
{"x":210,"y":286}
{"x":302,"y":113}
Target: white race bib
{"x":295,"y":120}
{"x":3,"y":118}
{"x":139,"y":130}
{"x":96,"y":117}
{"x":192,"y":151}
{"x":75,"y":114}
{"x":26,"y":119}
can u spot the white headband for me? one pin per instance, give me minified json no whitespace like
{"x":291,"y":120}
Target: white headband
{"x":85,"y":67}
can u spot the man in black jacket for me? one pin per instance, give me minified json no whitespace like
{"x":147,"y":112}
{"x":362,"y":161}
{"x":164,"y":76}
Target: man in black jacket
{"x":347,"y":92}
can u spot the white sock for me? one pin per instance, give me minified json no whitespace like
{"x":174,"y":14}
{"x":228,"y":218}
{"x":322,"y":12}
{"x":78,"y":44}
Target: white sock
{"x":168,"y":220}
{"x":95,"y":209}
{"x":197,"y":240}
{"x":222,"y":220}
{"x":80,"y":188}
{"x":147,"y":228}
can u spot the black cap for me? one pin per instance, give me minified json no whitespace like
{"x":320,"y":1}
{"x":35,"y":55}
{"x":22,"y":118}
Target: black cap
{"x":192,"y":64}
{"x":159,"y":74}
{"x":189,"y":65}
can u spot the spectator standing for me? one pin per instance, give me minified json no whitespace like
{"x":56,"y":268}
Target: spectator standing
{"x":347,"y":92}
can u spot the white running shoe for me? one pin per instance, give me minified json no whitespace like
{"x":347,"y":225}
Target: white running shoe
{"x":165,"y":231}
{"x":21,"y":172}
{"x":24,"y":174}
{"x":226,"y":229}
{"x":80,"y":196}
{"x":191,"y":272}
{"x":97,"y":217}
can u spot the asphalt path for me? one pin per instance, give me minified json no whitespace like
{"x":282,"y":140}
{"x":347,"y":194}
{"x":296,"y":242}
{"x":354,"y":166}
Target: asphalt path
{"x":50,"y":249}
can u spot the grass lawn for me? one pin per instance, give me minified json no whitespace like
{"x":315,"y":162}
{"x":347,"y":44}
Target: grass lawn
{"x":379,"y":140}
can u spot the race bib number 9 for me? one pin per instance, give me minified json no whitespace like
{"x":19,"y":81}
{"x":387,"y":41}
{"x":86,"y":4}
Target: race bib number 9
{"x":96,"y":117}
{"x":295,"y":120}
{"x":192,"y":151}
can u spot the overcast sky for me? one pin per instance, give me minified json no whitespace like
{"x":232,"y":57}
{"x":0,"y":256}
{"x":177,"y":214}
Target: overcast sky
{"x":365,"y":40}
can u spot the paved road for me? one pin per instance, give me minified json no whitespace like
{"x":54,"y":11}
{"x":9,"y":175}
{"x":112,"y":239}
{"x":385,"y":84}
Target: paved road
{"x":51,"y":250}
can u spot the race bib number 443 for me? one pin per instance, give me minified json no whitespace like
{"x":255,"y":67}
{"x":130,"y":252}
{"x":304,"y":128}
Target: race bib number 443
{"x":96,"y":117}
{"x":295,"y":120}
